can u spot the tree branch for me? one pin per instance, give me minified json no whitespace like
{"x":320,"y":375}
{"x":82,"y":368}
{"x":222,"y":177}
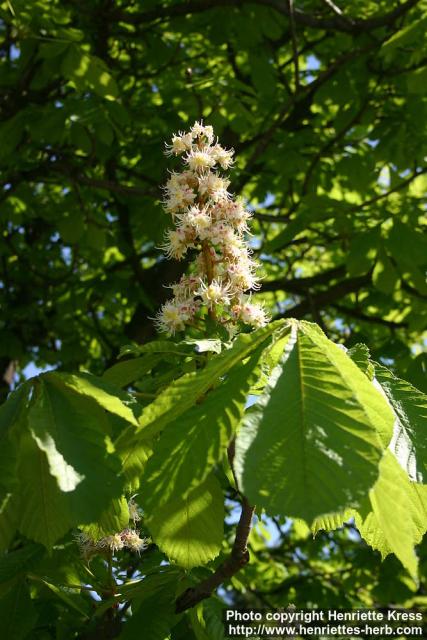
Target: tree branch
{"x":355,"y":25}
{"x":302,"y":285}
{"x":354,"y":313}
{"x":346,"y":21}
{"x":325,"y":298}
{"x":397,"y":187}
{"x":295,"y":110}
{"x":237,"y":559}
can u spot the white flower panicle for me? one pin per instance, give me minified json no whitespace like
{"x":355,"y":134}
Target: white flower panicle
{"x":210,"y":220}
{"x":126,"y":539}
{"x":133,"y":510}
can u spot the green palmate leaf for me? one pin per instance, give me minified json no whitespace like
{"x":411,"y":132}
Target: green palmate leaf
{"x":100,"y":80}
{"x":311,"y":446}
{"x":416,"y":373}
{"x":73,"y":600}
{"x":123,"y":373}
{"x":406,"y":244}
{"x":384,"y":275}
{"x":213,"y":610}
{"x":16,"y":562}
{"x":207,"y":620}
{"x":157,"y":576}
{"x":287,"y":235}
{"x":403,"y":37}
{"x":409,"y":442}
{"x":416,"y":80}
{"x":153,"y":608}
{"x":360,"y":355}
{"x":113,"y":519}
{"x":197,"y":622}
{"x":134,"y":460}
{"x":399,"y":514}
{"x":372,"y":533}
{"x":190,"y":530}
{"x":44,"y":513}
{"x":8,"y":521}
{"x":17,"y":612}
{"x":300,"y":529}
{"x":62,"y":566}
{"x":67,"y":473}
{"x":105,"y":394}
{"x":11,"y":413}
{"x":190,"y":446}
{"x":362,"y":251}
{"x":159,"y":346}
{"x":331,"y":521}
{"x":72,"y":431}
{"x":184,"y":392}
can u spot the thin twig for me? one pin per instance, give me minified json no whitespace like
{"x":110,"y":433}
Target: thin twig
{"x":345,"y":21}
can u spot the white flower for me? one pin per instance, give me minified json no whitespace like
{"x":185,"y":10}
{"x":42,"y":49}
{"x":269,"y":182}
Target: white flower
{"x":221,"y":233}
{"x":242,"y":276}
{"x":178,"y":197}
{"x":235,"y":248}
{"x":250,"y":313}
{"x":169,"y":318}
{"x":178,"y":180}
{"x":215,"y":293}
{"x":224,"y":157}
{"x":113,"y":543}
{"x":176,"y":243}
{"x":199,"y":160}
{"x":175,"y":313}
{"x":130,"y":539}
{"x":197,"y":218}
{"x":86,"y":544}
{"x":236,"y":215}
{"x":179,"y":192}
{"x":212,"y":185}
{"x":199,"y":129}
{"x":133,"y":511}
{"x":180,"y":143}
{"x":185,"y":288}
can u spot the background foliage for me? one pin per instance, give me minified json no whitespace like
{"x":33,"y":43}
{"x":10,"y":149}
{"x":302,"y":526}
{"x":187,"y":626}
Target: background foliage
{"x":326,"y":112}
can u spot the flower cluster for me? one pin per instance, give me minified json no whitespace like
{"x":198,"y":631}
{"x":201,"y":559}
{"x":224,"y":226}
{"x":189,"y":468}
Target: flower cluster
{"x":208,"y":219}
{"x":128,"y":538}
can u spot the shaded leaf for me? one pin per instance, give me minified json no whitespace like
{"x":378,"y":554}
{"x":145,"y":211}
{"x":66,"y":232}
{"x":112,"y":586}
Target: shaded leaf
{"x":72,"y":431}
{"x":17,"y":612}
{"x":153,"y":608}
{"x":72,"y":599}
{"x":44,"y":512}
{"x":123,"y":373}
{"x":190,"y":530}
{"x":190,"y":446}
{"x":15,"y":562}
